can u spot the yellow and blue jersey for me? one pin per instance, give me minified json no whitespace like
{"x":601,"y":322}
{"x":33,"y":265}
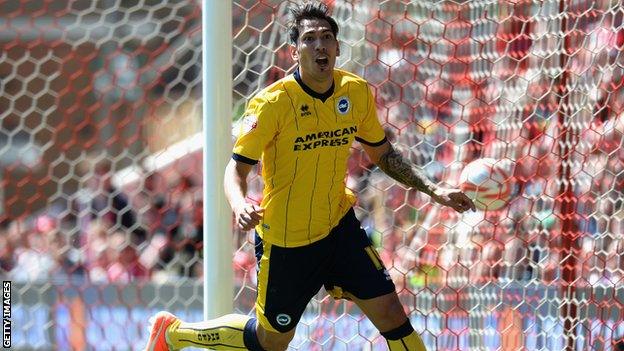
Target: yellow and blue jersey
{"x":304,"y":140}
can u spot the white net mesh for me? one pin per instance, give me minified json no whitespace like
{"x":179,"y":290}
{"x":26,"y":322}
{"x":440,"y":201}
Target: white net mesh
{"x":101,"y":169}
{"x":101,"y":222}
{"x":533,"y":86}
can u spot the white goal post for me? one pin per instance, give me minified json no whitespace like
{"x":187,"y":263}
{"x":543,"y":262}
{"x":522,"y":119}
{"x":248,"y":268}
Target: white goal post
{"x":217,"y":107}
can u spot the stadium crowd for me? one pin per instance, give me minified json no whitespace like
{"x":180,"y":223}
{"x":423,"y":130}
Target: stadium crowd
{"x":153,"y":231}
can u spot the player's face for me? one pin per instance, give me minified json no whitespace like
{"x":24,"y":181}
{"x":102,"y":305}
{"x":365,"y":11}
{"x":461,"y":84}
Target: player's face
{"x":316,"y":51}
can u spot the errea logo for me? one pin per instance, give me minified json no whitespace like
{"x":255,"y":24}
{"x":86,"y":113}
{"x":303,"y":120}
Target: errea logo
{"x":305,"y":110}
{"x":343,"y":105}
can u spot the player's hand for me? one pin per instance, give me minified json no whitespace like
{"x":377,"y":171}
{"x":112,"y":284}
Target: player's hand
{"x":248,"y":216}
{"x":454,"y":199}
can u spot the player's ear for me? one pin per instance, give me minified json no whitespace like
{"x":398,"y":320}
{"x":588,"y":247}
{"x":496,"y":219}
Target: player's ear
{"x":337,"y":48}
{"x":293,"y":53}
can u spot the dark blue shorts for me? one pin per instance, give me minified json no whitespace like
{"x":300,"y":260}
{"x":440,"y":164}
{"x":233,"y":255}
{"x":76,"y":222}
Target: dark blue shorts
{"x":345,"y":262}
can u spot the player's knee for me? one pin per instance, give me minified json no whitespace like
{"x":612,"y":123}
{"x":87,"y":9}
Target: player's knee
{"x":275,"y":344}
{"x":272,"y":341}
{"x":391,"y":314}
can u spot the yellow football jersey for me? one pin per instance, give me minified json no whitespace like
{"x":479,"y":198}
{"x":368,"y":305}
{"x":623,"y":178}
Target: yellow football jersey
{"x":304,"y":140}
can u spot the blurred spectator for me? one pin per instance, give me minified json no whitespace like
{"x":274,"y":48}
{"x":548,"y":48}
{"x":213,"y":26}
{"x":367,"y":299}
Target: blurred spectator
{"x":166,"y":268}
{"x":150,"y":202}
{"x":124,"y":265}
{"x":6,"y":248}
{"x":97,"y":258}
{"x":6,"y":255}
{"x":185,"y":199}
{"x":468,"y":101}
{"x":33,"y":260}
{"x":100,"y":199}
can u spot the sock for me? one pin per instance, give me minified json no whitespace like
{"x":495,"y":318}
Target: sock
{"x":404,"y":338}
{"x":250,"y":337}
{"x":232,"y":331}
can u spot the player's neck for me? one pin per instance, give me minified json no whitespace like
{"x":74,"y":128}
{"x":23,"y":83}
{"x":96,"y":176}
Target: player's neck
{"x":320,"y":86}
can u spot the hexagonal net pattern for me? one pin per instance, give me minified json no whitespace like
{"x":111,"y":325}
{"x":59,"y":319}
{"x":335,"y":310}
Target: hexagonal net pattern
{"x":100,"y":165}
{"x":534,"y":86}
{"x":100,"y":128}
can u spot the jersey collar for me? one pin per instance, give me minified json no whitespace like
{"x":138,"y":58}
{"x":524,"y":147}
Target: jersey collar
{"x":324,"y":96}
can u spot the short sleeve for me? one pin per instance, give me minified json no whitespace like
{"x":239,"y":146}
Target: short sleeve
{"x":256,"y":129}
{"x":370,"y":131}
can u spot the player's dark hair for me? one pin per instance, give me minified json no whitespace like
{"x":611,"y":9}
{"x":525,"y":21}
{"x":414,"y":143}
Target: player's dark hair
{"x":309,"y":10}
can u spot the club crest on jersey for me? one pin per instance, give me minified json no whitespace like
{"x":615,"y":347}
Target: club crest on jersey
{"x":283,"y":319}
{"x":343,"y":105}
{"x":250,"y":122}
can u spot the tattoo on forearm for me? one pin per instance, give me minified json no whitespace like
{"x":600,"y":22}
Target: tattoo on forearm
{"x":395,"y":166}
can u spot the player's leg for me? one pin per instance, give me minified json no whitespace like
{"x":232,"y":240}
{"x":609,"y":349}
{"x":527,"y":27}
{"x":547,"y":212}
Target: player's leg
{"x":287,"y":279}
{"x":272,"y":341}
{"x":292,"y":278}
{"x":230,"y":332}
{"x":387,"y":314}
{"x":360,"y":276}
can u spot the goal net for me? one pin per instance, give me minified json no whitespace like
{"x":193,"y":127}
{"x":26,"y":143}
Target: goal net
{"x":100,"y":159}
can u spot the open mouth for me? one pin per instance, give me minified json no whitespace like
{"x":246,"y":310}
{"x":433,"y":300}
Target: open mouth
{"x":322,"y":61}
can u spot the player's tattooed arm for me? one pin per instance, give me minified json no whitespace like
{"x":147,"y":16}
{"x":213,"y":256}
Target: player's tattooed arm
{"x":401,"y":170}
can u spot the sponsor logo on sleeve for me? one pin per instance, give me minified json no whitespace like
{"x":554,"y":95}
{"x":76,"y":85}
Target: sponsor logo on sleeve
{"x":250,"y":122}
